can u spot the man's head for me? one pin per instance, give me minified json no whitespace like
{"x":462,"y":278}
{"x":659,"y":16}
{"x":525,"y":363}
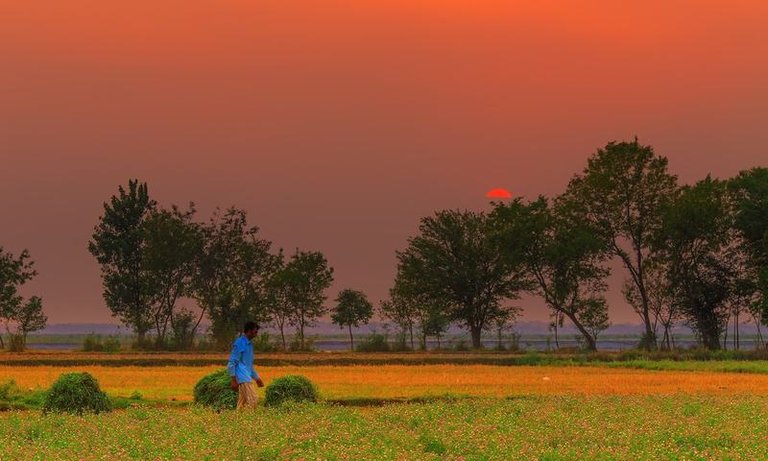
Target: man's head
{"x":250,"y":329}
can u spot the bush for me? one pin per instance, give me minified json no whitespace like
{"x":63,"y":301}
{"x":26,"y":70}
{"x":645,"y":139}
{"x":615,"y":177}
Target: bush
{"x":374,"y":343}
{"x":263,"y":343}
{"x":291,"y":388}
{"x":76,"y":393}
{"x":95,"y":343}
{"x":214,"y":391}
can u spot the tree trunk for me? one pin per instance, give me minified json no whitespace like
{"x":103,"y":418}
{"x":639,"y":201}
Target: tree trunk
{"x":351,"y":341}
{"x":591,"y":341}
{"x":476,"y":331}
{"x":282,"y":336}
{"x":413,"y":348}
{"x":2,"y":344}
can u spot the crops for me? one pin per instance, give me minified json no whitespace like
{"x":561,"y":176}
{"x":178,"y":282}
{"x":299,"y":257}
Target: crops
{"x":398,"y":381}
{"x":630,"y":410}
{"x":548,"y":428}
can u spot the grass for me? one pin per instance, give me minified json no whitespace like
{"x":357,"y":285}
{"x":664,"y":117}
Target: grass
{"x":409,"y":381}
{"x":542,"y":427}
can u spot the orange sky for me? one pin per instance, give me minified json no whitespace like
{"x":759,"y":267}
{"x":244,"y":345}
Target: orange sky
{"x":338,"y":124}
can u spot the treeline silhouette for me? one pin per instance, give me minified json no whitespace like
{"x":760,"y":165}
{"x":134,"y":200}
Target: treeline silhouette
{"x":691,"y":254}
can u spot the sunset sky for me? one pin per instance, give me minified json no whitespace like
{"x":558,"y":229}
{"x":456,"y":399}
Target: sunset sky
{"x":338,"y":124}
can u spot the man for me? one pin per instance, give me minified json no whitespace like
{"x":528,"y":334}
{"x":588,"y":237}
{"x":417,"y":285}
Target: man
{"x":240,"y":367}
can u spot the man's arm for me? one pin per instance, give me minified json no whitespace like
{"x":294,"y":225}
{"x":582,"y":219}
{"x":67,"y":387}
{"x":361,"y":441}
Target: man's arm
{"x":234,"y":358}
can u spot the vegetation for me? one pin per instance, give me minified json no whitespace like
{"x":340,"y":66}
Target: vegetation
{"x":25,"y":315}
{"x":538,"y":427}
{"x":214,"y":391}
{"x":290,"y":388}
{"x":76,"y":393}
{"x":352,"y":309}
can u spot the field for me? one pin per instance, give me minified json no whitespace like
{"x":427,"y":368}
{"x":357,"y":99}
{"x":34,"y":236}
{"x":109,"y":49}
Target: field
{"x":640,"y":409}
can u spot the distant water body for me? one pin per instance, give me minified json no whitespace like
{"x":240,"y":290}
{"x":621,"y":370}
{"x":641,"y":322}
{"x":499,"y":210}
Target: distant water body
{"x":612,"y":345}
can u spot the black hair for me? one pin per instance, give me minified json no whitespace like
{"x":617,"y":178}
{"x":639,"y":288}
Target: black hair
{"x":250,"y":325}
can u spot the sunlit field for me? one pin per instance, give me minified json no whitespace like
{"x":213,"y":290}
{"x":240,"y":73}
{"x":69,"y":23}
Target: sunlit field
{"x":607,"y":411}
{"x":407,"y":381}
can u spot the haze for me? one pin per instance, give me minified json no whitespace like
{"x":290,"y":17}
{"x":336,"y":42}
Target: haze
{"x":338,"y":124}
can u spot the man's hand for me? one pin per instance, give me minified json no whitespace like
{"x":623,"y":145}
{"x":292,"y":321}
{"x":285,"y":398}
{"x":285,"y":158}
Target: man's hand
{"x":259,"y":382}
{"x":233,"y":384}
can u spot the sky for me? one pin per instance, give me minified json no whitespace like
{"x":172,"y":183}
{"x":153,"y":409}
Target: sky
{"x":339,"y":124}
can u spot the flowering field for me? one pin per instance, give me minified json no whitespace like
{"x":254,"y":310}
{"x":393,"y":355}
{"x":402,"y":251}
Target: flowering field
{"x":394,"y":381}
{"x":462,"y":412}
{"x":538,"y":428}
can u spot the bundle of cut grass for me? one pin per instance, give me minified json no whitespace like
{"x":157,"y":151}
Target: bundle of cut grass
{"x":76,"y":393}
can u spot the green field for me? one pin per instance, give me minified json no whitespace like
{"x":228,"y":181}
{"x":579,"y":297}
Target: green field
{"x":543,"y":428}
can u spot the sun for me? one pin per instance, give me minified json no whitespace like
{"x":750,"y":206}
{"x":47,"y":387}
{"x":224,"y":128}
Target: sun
{"x":498,"y":193}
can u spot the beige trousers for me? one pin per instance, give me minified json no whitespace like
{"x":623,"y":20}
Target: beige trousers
{"x":246,"y":396}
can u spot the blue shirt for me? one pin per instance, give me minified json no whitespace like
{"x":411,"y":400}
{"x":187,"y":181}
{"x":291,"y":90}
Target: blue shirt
{"x":241,"y":361}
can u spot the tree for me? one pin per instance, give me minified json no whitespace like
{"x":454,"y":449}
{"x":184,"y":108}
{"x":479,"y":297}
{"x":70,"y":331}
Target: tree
{"x":308,"y":275}
{"x":434,"y":322}
{"x":456,"y":263}
{"x":352,"y":309}
{"x":749,"y":191}
{"x":663,"y":310}
{"x":564,"y":255}
{"x":279,"y":299}
{"x":698,"y":246}
{"x":232,"y":268}
{"x":26,"y":315}
{"x":172,"y":244}
{"x":504,"y":322}
{"x":402,"y":312}
{"x":118,"y":244}
{"x":622,"y":193}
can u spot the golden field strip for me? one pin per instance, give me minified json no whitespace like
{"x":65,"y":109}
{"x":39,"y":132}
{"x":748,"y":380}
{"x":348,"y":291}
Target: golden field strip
{"x":399,"y":381}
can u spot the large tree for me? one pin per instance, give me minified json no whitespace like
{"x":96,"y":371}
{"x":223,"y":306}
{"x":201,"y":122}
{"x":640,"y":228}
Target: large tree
{"x":232,"y":268}
{"x":566,"y":258}
{"x":699,"y":249}
{"x":352,"y":309}
{"x":622,"y":192}
{"x":118,"y":243}
{"x":309,"y":276}
{"x":456,"y":261}
{"x":27,"y":316}
{"x":749,"y":190}
{"x":173,"y":242}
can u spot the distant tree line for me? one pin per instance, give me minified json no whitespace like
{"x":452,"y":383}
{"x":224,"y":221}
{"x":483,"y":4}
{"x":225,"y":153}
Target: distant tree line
{"x":694,"y":254}
{"x":691,"y":254}
{"x":154,"y":260}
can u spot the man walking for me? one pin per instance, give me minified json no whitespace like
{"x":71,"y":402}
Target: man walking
{"x":240,"y":367}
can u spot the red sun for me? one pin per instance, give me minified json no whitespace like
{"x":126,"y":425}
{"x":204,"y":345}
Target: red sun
{"x":498,"y":193}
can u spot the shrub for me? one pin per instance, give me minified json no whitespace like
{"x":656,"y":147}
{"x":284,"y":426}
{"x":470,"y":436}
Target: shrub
{"x":76,"y":393}
{"x":214,"y":391}
{"x":374,"y":343}
{"x":291,"y":388}
{"x":263,"y":343}
{"x":95,"y":343}
{"x":9,"y":390}
{"x":461,"y":345}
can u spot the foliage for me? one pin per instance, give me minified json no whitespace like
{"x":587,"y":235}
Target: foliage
{"x":76,"y":393}
{"x":215,"y":391}
{"x":27,"y":316}
{"x":307,"y":275}
{"x":564,"y":256}
{"x":352,"y":308}
{"x":291,"y":388}
{"x":622,"y":193}
{"x":118,"y":244}
{"x":172,"y":242}
{"x":455,"y":263}
{"x":95,"y":343}
{"x":374,"y":343}
{"x":702,"y":262}
{"x":263,"y":343}
{"x":231,"y":273}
